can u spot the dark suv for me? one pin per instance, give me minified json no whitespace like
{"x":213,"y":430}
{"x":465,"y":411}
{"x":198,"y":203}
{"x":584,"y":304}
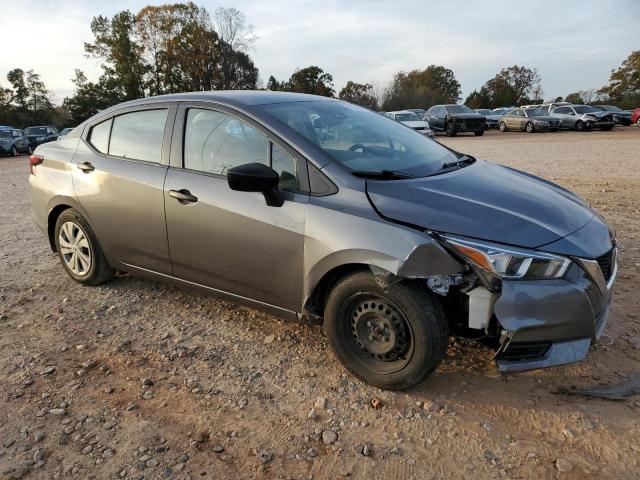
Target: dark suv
{"x":454,"y":119}
{"x":13,"y":141}
{"x":41,"y":134}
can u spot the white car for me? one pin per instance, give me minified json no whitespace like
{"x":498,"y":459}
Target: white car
{"x":411,"y":119}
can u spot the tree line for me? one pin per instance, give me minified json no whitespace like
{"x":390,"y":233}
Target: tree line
{"x":181,"y":47}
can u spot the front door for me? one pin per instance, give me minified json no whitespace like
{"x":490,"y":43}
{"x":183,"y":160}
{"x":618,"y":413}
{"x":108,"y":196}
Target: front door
{"x":228,"y":240}
{"x":118,"y":177}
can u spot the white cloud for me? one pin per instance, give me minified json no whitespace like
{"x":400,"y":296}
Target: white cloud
{"x":573,"y":44}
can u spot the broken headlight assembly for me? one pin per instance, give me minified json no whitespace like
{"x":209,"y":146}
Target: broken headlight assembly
{"x":510,"y":262}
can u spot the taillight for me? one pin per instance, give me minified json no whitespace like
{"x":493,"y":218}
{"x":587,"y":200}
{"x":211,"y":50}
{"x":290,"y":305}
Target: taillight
{"x":34,"y":161}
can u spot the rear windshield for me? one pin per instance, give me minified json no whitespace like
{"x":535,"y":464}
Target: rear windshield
{"x":407,"y":117}
{"x":360,"y":139}
{"x":36,"y":131}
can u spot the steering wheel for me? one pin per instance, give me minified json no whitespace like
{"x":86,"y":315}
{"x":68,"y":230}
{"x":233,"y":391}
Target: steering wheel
{"x":359,"y":146}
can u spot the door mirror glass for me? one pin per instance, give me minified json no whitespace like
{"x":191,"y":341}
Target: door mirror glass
{"x":256,"y":177}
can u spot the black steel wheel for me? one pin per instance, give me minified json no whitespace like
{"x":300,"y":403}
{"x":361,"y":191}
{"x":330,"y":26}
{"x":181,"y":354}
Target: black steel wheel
{"x":389,"y":337}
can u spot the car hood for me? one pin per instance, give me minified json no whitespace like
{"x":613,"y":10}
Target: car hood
{"x":416,"y":124}
{"x":484,"y":201}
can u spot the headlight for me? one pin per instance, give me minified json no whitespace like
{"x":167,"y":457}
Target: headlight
{"x":511,"y":263}
{"x":39,"y":139}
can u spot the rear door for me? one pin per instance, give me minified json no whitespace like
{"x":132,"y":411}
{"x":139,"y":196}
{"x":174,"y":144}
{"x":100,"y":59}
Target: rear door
{"x":228,"y":240}
{"x":118,"y":177}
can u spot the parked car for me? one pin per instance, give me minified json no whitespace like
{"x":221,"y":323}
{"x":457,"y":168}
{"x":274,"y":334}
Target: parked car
{"x":582,"y":117}
{"x":454,"y":119}
{"x":502,"y":110}
{"x":548,"y":107}
{"x":622,"y":117}
{"x":635,"y":117}
{"x":386,"y":238}
{"x":13,"y":141}
{"x":418,"y":111}
{"x":528,"y":120}
{"x":412,"y":120}
{"x":491,"y":118}
{"x":64,"y":132}
{"x":41,"y":134}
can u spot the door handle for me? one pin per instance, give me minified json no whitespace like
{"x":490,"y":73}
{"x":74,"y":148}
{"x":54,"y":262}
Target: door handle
{"x":86,"y":167}
{"x":183,"y":196}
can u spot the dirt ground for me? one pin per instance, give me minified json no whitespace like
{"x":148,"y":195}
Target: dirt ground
{"x":136,"y":379}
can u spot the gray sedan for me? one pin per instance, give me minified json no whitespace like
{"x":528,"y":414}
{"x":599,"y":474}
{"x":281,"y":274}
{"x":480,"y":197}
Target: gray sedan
{"x":582,"y":117}
{"x":321,"y":211}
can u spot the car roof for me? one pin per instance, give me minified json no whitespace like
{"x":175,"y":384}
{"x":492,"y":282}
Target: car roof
{"x":239,"y":98}
{"x":403,"y":111}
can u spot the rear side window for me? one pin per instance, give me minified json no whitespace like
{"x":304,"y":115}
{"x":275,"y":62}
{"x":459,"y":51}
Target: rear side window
{"x":99,"y":136}
{"x":214,"y":142}
{"x":138,"y":135}
{"x":285,"y":165}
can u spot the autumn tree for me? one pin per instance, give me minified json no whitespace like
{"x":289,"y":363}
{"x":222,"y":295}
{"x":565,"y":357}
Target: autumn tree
{"x":422,"y":88}
{"x":624,"y":83}
{"x":360,"y":94}
{"x":116,"y":44}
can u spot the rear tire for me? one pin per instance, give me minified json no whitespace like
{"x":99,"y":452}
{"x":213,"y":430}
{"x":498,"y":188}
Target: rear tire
{"x":392,"y":337}
{"x":79,"y":250}
{"x":479,"y":133}
{"x":502,"y":127}
{"x":607,"y":128}
{"x":638,"y":123}
{"x":451,"y":129}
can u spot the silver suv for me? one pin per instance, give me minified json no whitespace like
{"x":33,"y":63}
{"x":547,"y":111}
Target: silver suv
{"x":321,"y":211}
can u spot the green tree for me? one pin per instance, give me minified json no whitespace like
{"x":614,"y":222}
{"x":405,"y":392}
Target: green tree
{"x":20,"y":93}
{"x":89,"y":98}
{"x":422,"y":88}
{"x":360,"y":94}
{"x":624,"y":83}
{"x":479,"y":99}
{"x":116,"y":44}
{"x":273,"y":84}
{"x":513,"y":85}
{"x":311,"y":80}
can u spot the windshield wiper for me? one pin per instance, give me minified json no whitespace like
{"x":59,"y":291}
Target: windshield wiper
{"x":460,"y":163}
{"x":382,"y":174}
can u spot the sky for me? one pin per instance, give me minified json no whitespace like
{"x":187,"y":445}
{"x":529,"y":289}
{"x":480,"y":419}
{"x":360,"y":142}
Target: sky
{"x":574,"y":44}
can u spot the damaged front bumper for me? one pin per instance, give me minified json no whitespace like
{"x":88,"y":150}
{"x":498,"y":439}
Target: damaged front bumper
{"x":552,"y":322}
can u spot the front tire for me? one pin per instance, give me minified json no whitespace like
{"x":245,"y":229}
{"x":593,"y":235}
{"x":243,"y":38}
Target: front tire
{"x":580,"y":126}
{"x":392,"y":337}
{"x":638,"y":123}
{"x":14,"y":151}
{"x":529,"y":127}
{"x":79,"y":250}
{"x":451,"y":129}
{"x":502,"y":127}
{"x":479,"y":133}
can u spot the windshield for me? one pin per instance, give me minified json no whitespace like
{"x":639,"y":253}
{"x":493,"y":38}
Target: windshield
{"x":535,"y":112}
{"x":584,"y":109}
{"x":610,"y":108}
{"x":407,"y":117}
{"x":36,"y":131}
{"x":361,"y":140}
{"x":5,"y":134}
{"x":458,"y":109}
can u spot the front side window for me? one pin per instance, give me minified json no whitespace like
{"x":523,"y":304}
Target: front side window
{"x":214,"y":142}
{"x":99,"y":136}
{"x":138,"y":135}
{"x":359,"y":139}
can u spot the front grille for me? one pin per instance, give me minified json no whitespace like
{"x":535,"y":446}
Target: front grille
{"x":606,"y":264}
{"x":472,"y":124}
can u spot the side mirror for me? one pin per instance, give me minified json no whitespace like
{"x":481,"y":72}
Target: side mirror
{"x":256,"y":177}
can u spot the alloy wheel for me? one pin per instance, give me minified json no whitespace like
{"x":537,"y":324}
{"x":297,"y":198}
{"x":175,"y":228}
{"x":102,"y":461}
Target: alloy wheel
{"x":75,"y":249}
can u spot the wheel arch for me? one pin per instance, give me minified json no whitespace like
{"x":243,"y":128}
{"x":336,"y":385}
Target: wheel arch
{"x":55,"y":208}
